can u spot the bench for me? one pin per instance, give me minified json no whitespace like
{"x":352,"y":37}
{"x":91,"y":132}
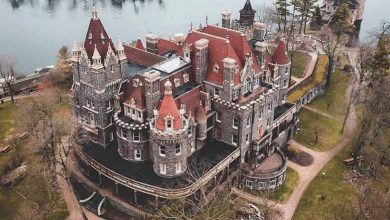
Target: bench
{"x":6,"y":149}
{"x":350,"y":161}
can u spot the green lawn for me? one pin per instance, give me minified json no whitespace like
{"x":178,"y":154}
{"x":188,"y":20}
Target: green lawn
{"x":7,"y":120}
{"x":328,"y":195}
{"x":328,"y":130}
{"x":299,"y":63}
{"x":318,"y":76}
{"x":284,"y":192}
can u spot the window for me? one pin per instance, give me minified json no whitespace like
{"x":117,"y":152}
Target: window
{"x":218,"y":117}
{"x":88,"y":103}
{"x":246,"y":86}
{"x":216,"y":68}
{"x":111,"y":136}
{"x":169,"y":123}
{"x":216,"y":92}
{"x":249,"y":183}
{"x":137,"y":154}
{"x":177,"y":82}
{"x":189,"y":132}
{"x":108,"y":105}
{"x":162,"y":151}
{"x":235,"y":94}
{"x":136,"y":136}
{"x":234,"y":139}
{"x":248,"y":122}
{"x":261,"y":185}
{"x":92,"y":104}
{"x":163,"y":168}
{"x":285,"y":83}
{"x":112,"y":68}
{"x":134,"y":112}
{"x":268,"y":121}
{"x":178,"y":149}
{"x":124,"y":133}
{"x":261,"y":113}
{"x":186,"y":77}
{"x":247,"y":138}
{"x":178,"y":167}
{"x":235,"y":122}
{"x":286,"y":71}
{"x":257,"y":81}
{"x":192,"y":146}
{"x":273,"y":183}
{"x":269,"y":106}
{"x":129,"y":110}
{"x":91,"y":119}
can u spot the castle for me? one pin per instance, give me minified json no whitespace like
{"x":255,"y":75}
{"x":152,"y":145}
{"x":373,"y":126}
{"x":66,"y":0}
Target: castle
{"x":211,"y":103}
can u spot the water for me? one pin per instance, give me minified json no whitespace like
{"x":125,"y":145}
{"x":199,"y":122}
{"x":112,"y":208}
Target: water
{"x":32,"y":31}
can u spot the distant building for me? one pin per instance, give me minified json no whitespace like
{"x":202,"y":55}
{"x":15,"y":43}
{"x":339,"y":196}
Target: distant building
{"x":210,"y":103}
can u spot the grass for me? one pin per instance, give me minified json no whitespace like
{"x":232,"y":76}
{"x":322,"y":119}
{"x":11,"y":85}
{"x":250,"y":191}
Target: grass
{"x":318,"y":76}
{"x":328,"y":195}
{"x":12,"y":204}
{"x":299,"y":63}
{"x":284,"y":192}
{"x":333,"y":102}
{"x":328,"y":130}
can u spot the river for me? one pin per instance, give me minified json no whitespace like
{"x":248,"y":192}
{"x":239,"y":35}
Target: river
{"x":32,"y":31}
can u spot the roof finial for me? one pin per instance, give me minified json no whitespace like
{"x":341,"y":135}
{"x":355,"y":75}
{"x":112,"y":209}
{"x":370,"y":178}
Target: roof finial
{"x":94,"y":13}
{"x":207,"y":20}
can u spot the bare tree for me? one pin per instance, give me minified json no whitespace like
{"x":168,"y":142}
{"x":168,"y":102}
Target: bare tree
{"x":7,"y":73}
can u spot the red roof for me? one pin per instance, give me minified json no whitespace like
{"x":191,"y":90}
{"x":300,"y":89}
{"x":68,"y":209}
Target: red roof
{"x":238,"y":40}
{"x":141,"y":57}
{"x":168,"y":107}
{"x":166,"y":45}
{"x":97,"y":35}
{"x":191,"y":100}
{"x":200,"y":114}
{"x":136,"y":93}
{"x":139,"y":45}
{"x":219,"y":49}
{"x":280,"y":55}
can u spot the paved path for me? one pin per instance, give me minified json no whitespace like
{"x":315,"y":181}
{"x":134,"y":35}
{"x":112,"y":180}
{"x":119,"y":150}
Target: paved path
{"x":309,"y":69}
{"x":319,"y":112}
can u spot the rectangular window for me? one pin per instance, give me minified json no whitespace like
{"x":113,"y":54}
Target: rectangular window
{"x":178,"y":149}
{"x":234,"y":140}
{"x":163,"y":168}
{"x":92,"y":104}
{"x":136,"y":136}
{"x":261,"y":185}
{"x":133,"y":112}
{"x":124,"y":134}
{"x":216,"y":92}
{"x":273,"y":183}
{"x":285,"y":83}
{"x":137,"y":154}
{"x":169,"y":123}
{"x":112,"y":68}
{"x":88,"y":103}
{"x":177,"y":82}
{"x":235,"y":122}
{"x":261,"y":113}
{"x":108,"y":105}
{"x":249,"y":183}
{"x":218,"y":117}
{"x":236,"y":92}
{"x":178,"y":167}
{"x":192,"y":146}
{"x":162,"y":151}
{"x":269,"y":106}
{"x":189,"y":132}
{"x":186,"y":77}
{"x":111,"y":136}
{"x":247,"y":138}
{"x":248,"y":122}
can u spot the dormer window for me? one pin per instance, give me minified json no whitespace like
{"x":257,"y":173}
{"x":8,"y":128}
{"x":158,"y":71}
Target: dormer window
{"x":135,"y":82}
{"x":186,"y":77}
{"x":112,"y":68}
{"x":177,"y":82}
{"x":169,"y":122}
{"x":216,"y":92}
{"x":89,"y":36}
{"x":216,"y":68}
{"x":102,"y":36}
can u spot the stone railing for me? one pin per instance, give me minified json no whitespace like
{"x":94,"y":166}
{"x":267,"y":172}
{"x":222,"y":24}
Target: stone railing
{"x":155,"y":190}
{"x":283,"y":117}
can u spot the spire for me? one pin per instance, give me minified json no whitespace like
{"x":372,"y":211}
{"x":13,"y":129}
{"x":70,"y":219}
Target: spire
{"x":94,"y":13}
{"x":248,"y":6}
{"x":96,"y":55}
{"x":119,"y":46}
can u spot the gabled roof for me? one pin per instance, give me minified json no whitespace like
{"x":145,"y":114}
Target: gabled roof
{"x":97,"y":35}
{"x":191,"y":100}
{"x":280,"y":55}
{"x":219,"y":49}
{"x":135,"y":92}
{"x":248,"y":7}
{"x":139,"y":45}
{"x":238,"y":40}
{"x":168,"y":108}
{"x":164,"y":46}
{"x":141,"y":57}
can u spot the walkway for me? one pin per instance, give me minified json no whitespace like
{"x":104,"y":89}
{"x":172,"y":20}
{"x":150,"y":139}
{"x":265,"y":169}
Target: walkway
{"x":319,"y":112}
{"x":309,"y":69}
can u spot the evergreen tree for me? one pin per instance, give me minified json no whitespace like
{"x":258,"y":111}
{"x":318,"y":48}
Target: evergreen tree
{"x":305,"y":8}
{"x":282,"y":10}
{"x":340,"y":20}
{"x":316,"y":20}
{"x":380,"y":62}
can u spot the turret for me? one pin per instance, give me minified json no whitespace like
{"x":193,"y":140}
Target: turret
{"x":121,"y":50}
{"x":96,"y":60}
{"x":76,"y":52}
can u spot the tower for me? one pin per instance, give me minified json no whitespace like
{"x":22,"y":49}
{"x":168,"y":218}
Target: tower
{"x":247,"y":14}
{"x":259,"y":31}
{"x":99,"y":67}
{"x":152,"y":93}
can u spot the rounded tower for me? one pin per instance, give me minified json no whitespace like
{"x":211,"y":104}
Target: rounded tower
{"x":169,"y":137}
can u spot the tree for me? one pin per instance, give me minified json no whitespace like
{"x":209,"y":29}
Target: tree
{"x":266,"y":14}
{"x":282,"y":11}
{"x":7,"y":73}
{"x":295,"y":4}
{"x":305,"y":8}
{"x":316,"y":20}
{"x":380,"y":61}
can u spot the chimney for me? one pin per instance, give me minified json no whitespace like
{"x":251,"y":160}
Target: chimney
{"x":226,"y":19}
{"x":260,"y":49}
{"x":151,"y":43}
{"x":259,"y":31}
{"x":202,"y":58}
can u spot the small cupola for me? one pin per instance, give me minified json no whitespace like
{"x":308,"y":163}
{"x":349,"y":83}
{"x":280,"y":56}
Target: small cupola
{"x":96,"y":59}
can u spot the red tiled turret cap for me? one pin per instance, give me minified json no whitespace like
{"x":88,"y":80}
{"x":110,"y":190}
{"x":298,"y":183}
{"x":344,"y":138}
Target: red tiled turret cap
{"x":280,"y":55}
{"x":168,"y":108}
